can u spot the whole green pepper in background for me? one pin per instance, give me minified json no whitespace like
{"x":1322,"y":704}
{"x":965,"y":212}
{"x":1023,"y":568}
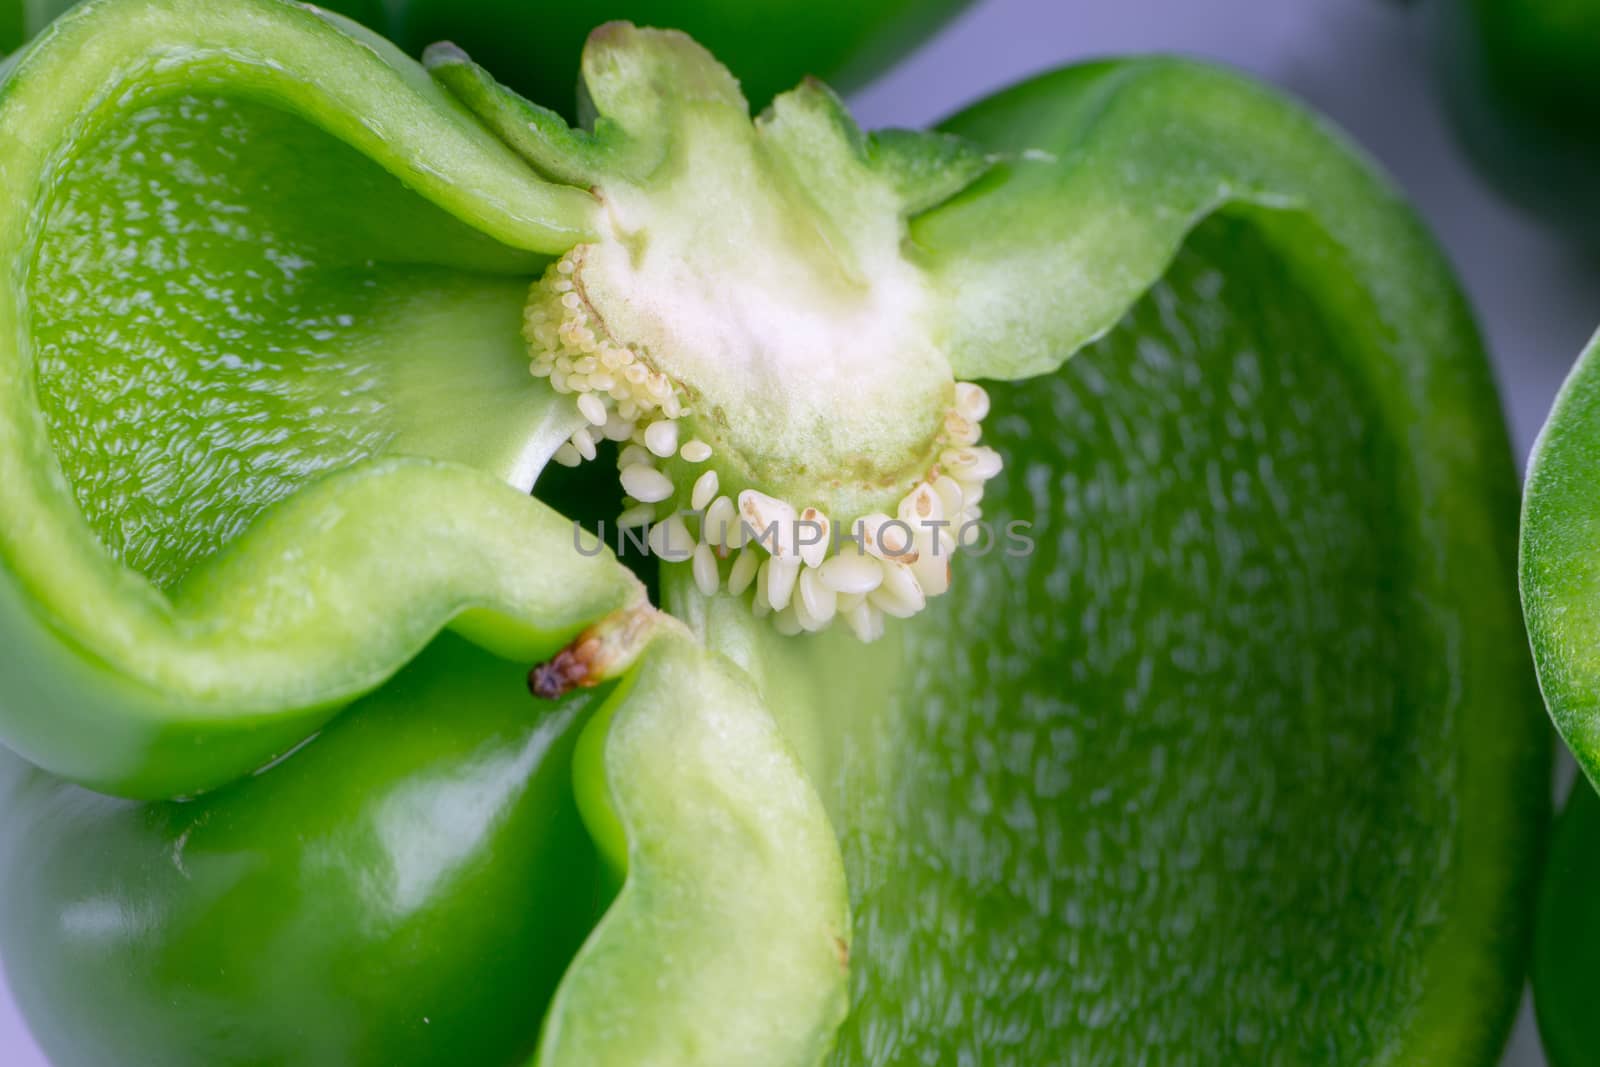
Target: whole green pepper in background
{"x":1559,"y":536}
{"x":1567,"y":944}
{"x":533,"y":46}
{"x":1246,"y":750}
{"x":1521,"y":80}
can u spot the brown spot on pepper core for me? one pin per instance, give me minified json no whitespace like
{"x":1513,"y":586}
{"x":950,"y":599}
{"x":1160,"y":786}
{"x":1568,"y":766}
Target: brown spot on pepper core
{"x":599,"y":654}
{"x":569,"y":669}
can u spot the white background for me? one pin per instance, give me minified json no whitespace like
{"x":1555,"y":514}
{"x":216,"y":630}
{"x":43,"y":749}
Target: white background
{"x":1363,"y":63}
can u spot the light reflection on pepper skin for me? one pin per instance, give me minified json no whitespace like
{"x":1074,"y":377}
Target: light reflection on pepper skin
{"x":405,"y":890}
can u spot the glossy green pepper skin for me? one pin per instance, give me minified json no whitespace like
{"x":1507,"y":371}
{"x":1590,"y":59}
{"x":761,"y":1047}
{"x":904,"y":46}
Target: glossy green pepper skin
{"x":1567,"y":946}
{"x":1257,"y":691}
{"x":1521,"y":79}
{"x":408,"y":889}
{"x":1559,"y":537}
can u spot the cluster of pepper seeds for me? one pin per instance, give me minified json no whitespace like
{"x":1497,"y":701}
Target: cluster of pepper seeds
{"x":804,"y":573}
{"x":617,"y":392}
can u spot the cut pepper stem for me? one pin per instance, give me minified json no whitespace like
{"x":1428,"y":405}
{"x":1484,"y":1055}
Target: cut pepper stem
{"x":601,"y":653}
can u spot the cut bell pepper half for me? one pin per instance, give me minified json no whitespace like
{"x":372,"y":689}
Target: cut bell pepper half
{"x":1230,"y":750}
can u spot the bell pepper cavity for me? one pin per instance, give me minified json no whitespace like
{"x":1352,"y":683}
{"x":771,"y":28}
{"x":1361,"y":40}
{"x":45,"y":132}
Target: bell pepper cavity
{"x":231,"y":383}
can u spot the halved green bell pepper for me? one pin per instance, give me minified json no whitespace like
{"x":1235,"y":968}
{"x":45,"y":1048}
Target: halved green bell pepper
{"x":1521,"y":80}
{"x":1241,"y":762}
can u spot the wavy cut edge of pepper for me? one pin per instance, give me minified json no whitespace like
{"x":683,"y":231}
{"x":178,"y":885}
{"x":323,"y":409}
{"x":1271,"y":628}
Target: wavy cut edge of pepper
{"x":267,"y":641}
{"x":699,"y":806}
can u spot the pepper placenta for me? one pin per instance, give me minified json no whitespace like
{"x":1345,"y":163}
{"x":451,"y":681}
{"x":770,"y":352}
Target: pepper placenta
{"x":1147,"y":775}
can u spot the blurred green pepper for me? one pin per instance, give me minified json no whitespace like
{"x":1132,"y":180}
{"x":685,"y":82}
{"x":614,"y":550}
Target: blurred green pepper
{"x":1559,"y":537}
{"x":1243,"y":748}
{"x":533,"y":47}
{"x":1567,"y":944}
{"x":1521,"y":80}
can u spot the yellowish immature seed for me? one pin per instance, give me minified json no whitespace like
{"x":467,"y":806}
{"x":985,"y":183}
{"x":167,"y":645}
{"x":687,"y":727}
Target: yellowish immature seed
{"x":849,"y":601}
{"x":781,"y":577}
{"x":593,"y":409}
{"x":671,"y":541}
{"x":639,"y":515}
{"x":706,"y":577}
{"x":662,"y":437}
{"x":646,"y":484}
{"x":975,"y":464}
{"x":720,"y":523}
{"x":583,"y":441}
{"x":705,"y":491}
{"x":899,"y":595}
{"x":771,"y":522}
{"x":744,"y":571}
{"x":815,"y":603}
{"x":617,"y":428}
{"x":959,"y":430}
{"x":761,"y":603}
{"x":886,"y":538}
{"x":813,"y":536}
{"x":921,"y":508}
{"x":932,"y":569}
{"x":866,"y":622}
{"x":950,"y":497}
{"x":972,"y":401}
{"x":852,"y":572}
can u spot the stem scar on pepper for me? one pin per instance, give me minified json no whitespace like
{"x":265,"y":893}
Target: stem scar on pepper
{"x":751,"y":328}
{"x":599,"y":654}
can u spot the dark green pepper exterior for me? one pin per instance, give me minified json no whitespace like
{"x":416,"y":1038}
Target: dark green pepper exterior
{"x":1521,"y":80}
{"x":406,"y":889}
{"x":533,"y":46}
{"x":1567,"y":946}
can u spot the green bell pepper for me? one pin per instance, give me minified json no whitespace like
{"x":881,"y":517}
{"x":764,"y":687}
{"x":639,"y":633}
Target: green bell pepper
{"x":769,"y":46}
{"x":1521,"y":81}
{"x":1558,"y":578}
{"x":1232,"y":754}
{"x":1567,"y":942}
